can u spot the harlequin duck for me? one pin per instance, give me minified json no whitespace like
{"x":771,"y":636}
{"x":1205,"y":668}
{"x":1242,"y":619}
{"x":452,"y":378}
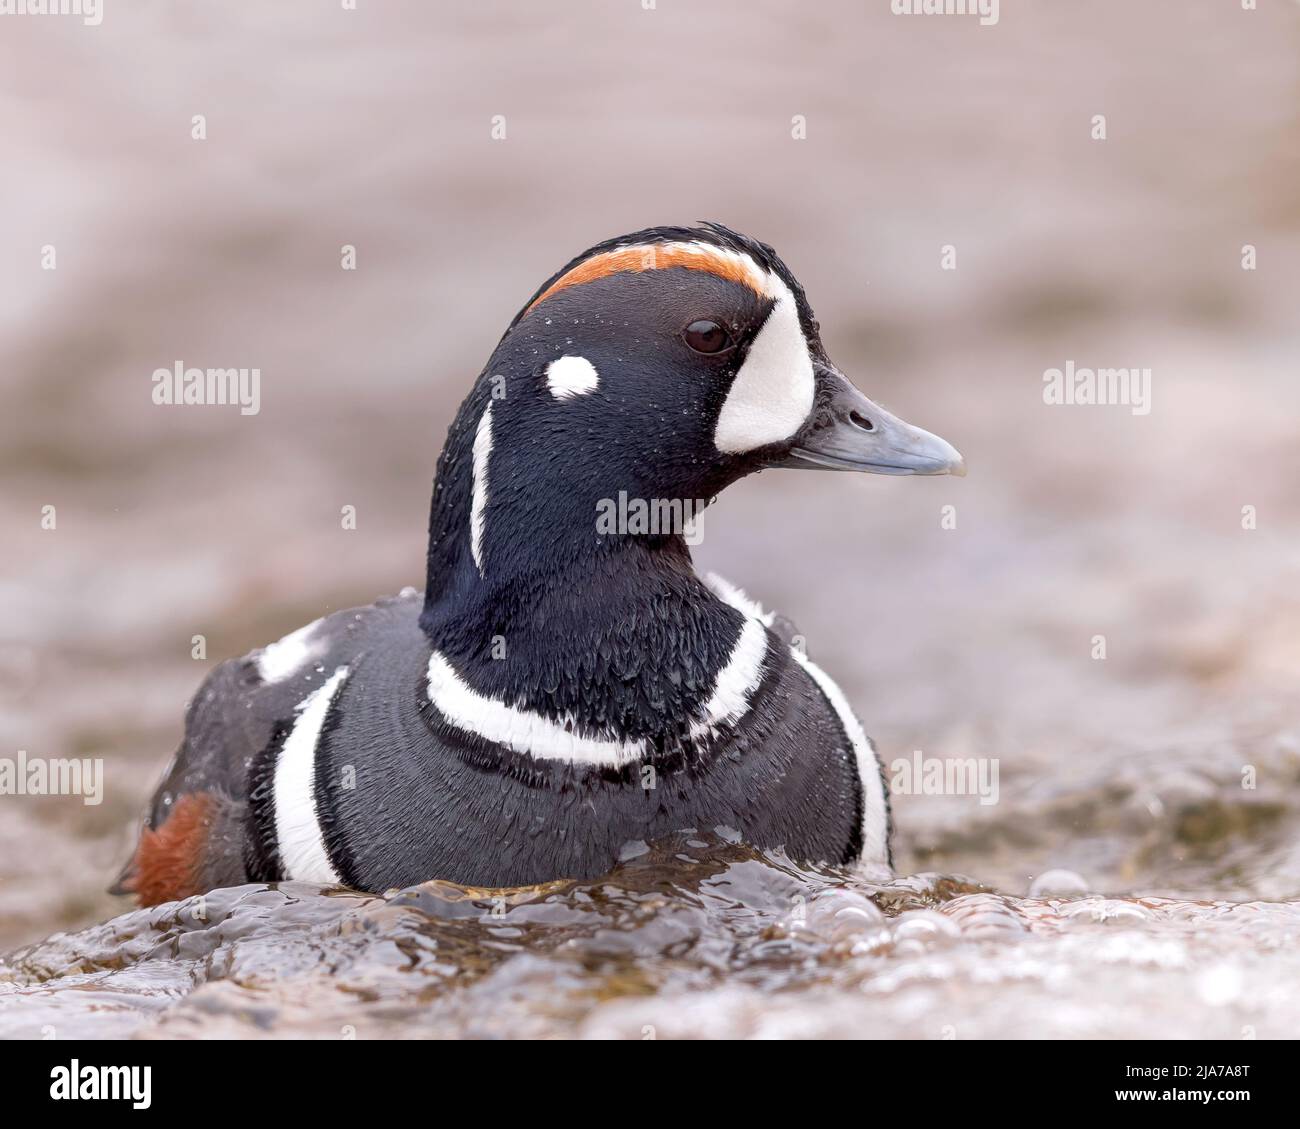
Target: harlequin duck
{"x":566,"y":684}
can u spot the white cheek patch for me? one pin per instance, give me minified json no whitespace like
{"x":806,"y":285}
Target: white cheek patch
{"x":568,"y":377}
{"x":479,"y":498}
{"x":772,"y":393}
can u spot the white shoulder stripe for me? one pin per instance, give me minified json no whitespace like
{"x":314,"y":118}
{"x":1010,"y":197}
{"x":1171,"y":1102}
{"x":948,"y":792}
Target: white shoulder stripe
{"x":736,"y":681}
{"x":728,"y":593}
{"x":297,"y":825}
{"x":875,"y":817}
{"x":875,"y":814}
{"x":519,"y":729}
{"x":279,"y":660}
{"x":479,"y":498}
{"x":528,"y":732}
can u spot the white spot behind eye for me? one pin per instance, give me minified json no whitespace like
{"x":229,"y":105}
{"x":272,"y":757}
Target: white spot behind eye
{"x":772,"y":393}
{"x":568,"y":377}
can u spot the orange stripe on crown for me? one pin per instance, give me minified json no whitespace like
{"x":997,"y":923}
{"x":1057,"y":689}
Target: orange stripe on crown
{"x":730,"y":265}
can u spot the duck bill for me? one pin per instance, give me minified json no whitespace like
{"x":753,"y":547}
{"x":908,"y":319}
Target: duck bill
{"x":846,"y":431}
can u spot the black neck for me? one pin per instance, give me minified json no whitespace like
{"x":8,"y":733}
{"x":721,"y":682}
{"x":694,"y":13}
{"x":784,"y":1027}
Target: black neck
{"x":616,"y":631}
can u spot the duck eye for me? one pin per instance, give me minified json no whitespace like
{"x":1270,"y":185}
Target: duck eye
{"x":707,"y":337}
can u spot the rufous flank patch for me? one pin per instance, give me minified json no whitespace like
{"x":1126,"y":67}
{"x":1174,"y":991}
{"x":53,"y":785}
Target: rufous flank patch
{"x":168,"y":859}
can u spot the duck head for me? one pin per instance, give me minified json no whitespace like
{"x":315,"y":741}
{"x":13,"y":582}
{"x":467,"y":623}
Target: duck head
{"x":662,"y":365}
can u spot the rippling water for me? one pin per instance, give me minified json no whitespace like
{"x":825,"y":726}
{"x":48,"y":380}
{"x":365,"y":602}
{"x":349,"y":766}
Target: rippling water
{"x":697,"y":937}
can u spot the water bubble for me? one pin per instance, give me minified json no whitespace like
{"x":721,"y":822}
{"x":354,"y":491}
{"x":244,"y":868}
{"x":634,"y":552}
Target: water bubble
{"x":1061,"y":883}
{"x":1106,"y":910}
{"x":985,"y":917}
{"x":919,"y":928}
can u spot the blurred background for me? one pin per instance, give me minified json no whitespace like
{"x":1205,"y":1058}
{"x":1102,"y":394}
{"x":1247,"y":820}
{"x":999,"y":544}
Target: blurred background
{"x":373,"y":128}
